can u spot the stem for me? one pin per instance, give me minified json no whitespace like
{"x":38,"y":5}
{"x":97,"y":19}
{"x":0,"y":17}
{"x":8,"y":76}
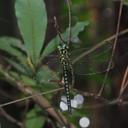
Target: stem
{"x":113,"y":50}
{"x":69,"y":20}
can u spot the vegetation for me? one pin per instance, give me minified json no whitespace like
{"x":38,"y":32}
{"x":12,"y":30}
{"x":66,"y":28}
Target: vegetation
{"x":33,"y":79}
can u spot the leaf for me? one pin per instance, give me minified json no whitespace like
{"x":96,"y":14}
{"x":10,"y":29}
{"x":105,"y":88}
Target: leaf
{"x":13,"y":47}
{"x":16,"y":65}
{"x":55,"y":41}
{"x":45,"y":74}
{"x":32,"y":21}
{"x":75,"y":30}
{"x":2,"y":72}
{"x":125,"y":2}
{"x":50,"y":47}
{"x":15,"y":75}
{"x":33,"y":120}
{"x":28,"y":81}
{"x":8,"y":45}
{"x":47,"y":79}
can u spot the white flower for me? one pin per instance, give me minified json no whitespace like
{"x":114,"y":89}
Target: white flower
{"x":79,"y":98}
{"x":84,"y":122}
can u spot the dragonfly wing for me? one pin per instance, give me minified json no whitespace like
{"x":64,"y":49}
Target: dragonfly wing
{"x":93,"y":63}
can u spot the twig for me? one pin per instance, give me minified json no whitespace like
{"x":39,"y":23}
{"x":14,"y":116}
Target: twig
{"x":104,"y":102}
{"x":109,"y":103}
{"x":10,"y":118}
{"x":91,"y":95}
{"x":69,"y":23}
{"x":113,"y":50}
{"x":69,"y":20}
{"x":57,"y":29}
{"x":100,"y":44}
{"x":29,"y":97}
{"x":124,"y":82}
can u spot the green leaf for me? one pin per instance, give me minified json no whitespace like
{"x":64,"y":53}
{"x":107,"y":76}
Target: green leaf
{"x":32,"y":21}
{"x":52,"y":45}
{"x":28,"y":81}
{"x":16,"y":65}
{"x":125,"y":2}
{"x":75,"y":30}
{"x":9,"y":45}
{"x":13,"y":47}
{"x":47,"y":78}
{"x":34,"y":120}
{"x":55,"y":41}
{"x":15,"y":75}
{"x":45,"y":75}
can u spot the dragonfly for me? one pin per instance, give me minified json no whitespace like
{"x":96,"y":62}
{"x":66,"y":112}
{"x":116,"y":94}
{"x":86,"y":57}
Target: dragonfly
{"x":92,"y":64}
{"x":67,"y":69}
{"x":66,"y":63}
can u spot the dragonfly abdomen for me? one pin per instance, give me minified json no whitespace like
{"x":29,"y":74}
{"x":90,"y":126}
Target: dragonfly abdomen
{"x":66,"y":86}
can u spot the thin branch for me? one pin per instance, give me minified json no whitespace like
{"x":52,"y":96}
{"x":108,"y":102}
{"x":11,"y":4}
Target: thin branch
{"x":10,"y":118}
{"x":69,"y":20}
{"x":57,"y":29}
{"x":109,"y":103}
{"x":69,"y":24}
{"x":29,"y":97}
{"x":100,"y":44}
{"x":113,"y":50}
{"x":104,"y":102}
{"x":91,"y":95}
{"x":124,"y":82}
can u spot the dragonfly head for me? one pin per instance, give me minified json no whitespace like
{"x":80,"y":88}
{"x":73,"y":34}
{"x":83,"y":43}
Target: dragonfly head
{"x":63,"y":47}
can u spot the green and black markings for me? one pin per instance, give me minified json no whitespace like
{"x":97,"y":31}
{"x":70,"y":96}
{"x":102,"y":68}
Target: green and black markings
{"x":67,"y":70}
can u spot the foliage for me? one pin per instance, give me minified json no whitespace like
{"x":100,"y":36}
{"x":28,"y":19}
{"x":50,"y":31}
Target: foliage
{"x":26,"y":56}
{"x":34,"y":119}
{"x":25,"y":60}
{"x":125,"y":2}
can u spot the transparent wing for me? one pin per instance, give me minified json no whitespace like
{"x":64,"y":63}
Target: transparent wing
{"x":93,"y":63}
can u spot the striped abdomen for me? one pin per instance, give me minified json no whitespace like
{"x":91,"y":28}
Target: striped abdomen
{"x":67,"y":85}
